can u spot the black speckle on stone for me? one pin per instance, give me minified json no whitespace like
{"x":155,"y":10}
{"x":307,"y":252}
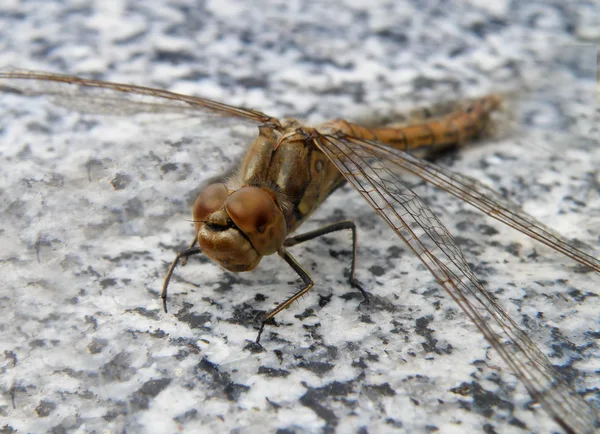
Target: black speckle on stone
{"x":533,"y":255}
{"x":7,"y":429}
{"x":37,"y":343}
{"x":193,"y":319}
{"x":120,"y":409}
{"x":152,"y":314}
{"x":173,"y":57}
{"x":97,"y":345}
{"x":373,"y":357}
{"x":422,"y":324}
{"x":579,"y":296}
{"x":120,"y":181}
{"x":86,"y":394}
{"x":72,"y":300}
{"x":466,"y":405}
{"x":516,"y":422}
{"x":253,"y":82}
{"x":488,"y":230}
{"x":457,"y":51}
{"x":489,"y":429}
{"x":366,"y":319}
{"x":186,"y":347}
{"x":356,"y":89}
{"x":118,"y":369}
{"x":431,"y":292}
{"x":430,"y":345}
{"x":377,"y":271}
{"x":307,"y":313}
{"x":560,"y":345}
{"x":383,"y":389}
{"x":335,"y":388}
{"x":324,"y":300}
{"x":272,"y":372}
{"x":394,"y":35}
{"x":463,"y":390}
{"x":483,"y":400}
{"x":233,"y":391}
{"x":254,"y":347}
{"x":360,"y":363}
{"x":422,"y":82}
{"x":483,"y":28}
{"x":513,"y":249}
{"x":128,"y":256}
{"x":12,"y":356}
{"x":187,"y":416}
{"x":168,"y":167}
{"x":308,"y":400}
{"x":227,"y":281}
{"x":141,"y":398}
{"x":221,"y":380}
{"x":319,"y":368}
{"x":394,"y":422}
{"x":314,"y":398}
{"x":394,"y":252}
{"x":36,"y":127}
{"x":133,"y":208}
{"x":108,"y":282}
{"x":158,"y":333}
{"x":273,"y":404}
{"x":44,"y":408}
{"x":376,"y":303}
{"x":244,"y":314}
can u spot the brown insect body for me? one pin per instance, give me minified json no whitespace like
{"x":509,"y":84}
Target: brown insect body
{"x":284,"y":177}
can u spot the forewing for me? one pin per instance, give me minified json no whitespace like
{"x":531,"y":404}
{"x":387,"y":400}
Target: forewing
{"x":102,"y":97}
{"x":368,"y":170}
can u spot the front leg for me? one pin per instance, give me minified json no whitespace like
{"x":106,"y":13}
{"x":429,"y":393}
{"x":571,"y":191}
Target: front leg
{"x":308,"y":282}
{"x":339,"y":226}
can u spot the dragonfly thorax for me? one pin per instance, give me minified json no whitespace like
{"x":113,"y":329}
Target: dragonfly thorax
{"x":237,"y":228}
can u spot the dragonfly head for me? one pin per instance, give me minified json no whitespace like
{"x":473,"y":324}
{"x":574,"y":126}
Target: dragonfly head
{"x":236,"y":229}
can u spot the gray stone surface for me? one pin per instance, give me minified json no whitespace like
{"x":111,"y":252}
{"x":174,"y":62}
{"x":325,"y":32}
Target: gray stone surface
{"x":95,"y":207}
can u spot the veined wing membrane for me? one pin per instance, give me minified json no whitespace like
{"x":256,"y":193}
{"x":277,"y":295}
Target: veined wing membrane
{"x":481,"y":197}
{"x":426,"y":236}
{"x":102,"y":97}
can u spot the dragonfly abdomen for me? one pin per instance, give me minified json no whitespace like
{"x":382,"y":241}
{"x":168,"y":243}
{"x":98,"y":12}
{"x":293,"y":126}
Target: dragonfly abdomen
{"x":457,"y":128}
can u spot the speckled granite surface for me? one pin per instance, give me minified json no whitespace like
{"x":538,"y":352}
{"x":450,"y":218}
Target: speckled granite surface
{"x":94,"y":208}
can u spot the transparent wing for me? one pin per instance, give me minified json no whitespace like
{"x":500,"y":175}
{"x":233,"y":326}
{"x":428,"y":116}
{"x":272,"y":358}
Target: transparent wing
{"x":102,"y":97}
{"x":486,"y":200}
{"x":367,"y":166}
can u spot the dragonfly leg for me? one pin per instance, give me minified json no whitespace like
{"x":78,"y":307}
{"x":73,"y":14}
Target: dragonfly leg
{"x":181,"y":257}
{"x":308,"y":284}
{"x":339,"y":226}
{"x":191,"y":246}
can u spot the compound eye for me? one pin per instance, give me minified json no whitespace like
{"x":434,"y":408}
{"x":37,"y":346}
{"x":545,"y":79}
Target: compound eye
{"x":210,"y":199}
{"x":256,"y":214}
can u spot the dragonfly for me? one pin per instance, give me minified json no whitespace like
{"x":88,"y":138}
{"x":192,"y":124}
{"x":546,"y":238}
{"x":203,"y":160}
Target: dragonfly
{"x":290,"y":169}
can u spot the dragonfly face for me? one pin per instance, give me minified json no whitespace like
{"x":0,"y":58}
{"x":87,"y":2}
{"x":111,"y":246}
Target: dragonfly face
{"x":237,"y":228}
